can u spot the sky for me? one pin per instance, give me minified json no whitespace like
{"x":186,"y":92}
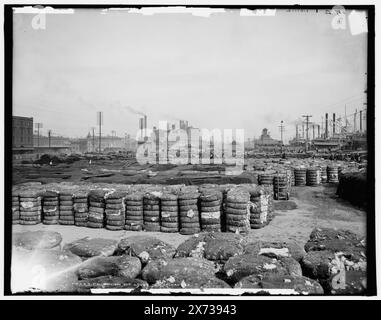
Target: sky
{"x":226,"y":71}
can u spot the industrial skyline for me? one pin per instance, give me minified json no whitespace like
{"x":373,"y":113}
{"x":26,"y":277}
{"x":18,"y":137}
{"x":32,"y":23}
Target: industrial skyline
{"x":225,"y":62}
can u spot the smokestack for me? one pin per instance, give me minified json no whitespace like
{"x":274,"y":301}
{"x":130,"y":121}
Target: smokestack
{"x":313,"y":131}
{"x":360,"y":120}
{"x":296,"y":133}
{"x":303,"y":131}
{"x":333,"y":124}
{"x":326,"y":125}
{"x":141,"y":126}
{"x":354,"y":121}
{"x":318,"y":130}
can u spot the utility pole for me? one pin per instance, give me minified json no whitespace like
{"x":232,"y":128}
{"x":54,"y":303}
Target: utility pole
{"x":100,"y":122}
{"x":49,"y":136}
{"x":38,"y":125}
{"x":307,"y":122}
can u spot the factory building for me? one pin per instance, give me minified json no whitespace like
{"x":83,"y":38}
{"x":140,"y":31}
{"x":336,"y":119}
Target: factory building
{"x":22,"y":137}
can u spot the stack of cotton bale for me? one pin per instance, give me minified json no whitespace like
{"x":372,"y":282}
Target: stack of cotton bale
{"x":66,"y":215}
{"x":81,"y":208}
{"x":266,"y":178}
{"x":188,"y":210}
{"x":281,"y":187}
{"x":50,"y":207}
{"x":30,"y":207}
{"x":313,"y":176}
{"x":332,"y":173}
{"x":151,"y":211}
{"x":300,"y":176}
{"x":134,"y":211}
{"x":15,"y":207}
{"x":259,"y":207}
{"x":115,"y":210}
{"x":97,"y":208}
{"x":169,"y":215}
{"x":210,"y":203}
{"x":237,"y":213}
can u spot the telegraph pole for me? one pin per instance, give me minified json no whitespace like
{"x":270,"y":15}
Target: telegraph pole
{"x":307,"y":122}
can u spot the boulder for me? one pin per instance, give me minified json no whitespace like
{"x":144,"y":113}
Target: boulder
{"x":146,"y":248}
{"x":179,"y":269}
{"x":300,"y":284}
{"x":37,"y":239}
{"x":244,"y":265}
{"x":215,"y":246}
{"x":91,"y":247}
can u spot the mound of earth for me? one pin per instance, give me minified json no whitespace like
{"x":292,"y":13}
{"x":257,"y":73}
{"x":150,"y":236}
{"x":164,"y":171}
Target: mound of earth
{"x":215,"y":246}
{"x":91,"y":247}
{"x":178,"y":269}
{"x":300,"y":284}
{"x":146,"y":248}
{"x":37,"y":239}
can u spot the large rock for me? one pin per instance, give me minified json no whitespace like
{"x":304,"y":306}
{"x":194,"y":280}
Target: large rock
{"x":110,"y":282}
{"x":300,"y":284}
{"x":37,"y":239}
{"x":244,"y":265}
{"x":91,"y":247}
{"x":178,"y":269}
{"x":123,"y":266}
{"x":146,"y":248}
{"x":44,"y":270}
{"x":215,"y":246}
{"x":276,"y":249}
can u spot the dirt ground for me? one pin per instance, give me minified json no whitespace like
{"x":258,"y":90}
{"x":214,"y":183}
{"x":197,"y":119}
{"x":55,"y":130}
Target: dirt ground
{"x":316,"y":207}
